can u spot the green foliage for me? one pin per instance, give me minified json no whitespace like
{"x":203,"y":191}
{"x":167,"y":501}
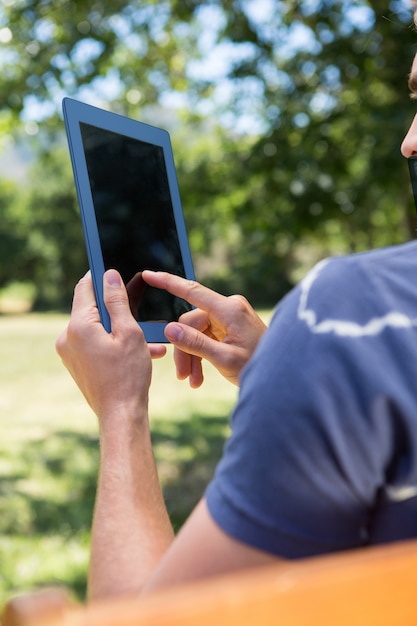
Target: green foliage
{"x":56,"y":47}
{"x":287,"y":145}
{"x":55,"y":250}
{"x":328,"y":165}
{"x":11,"y":235}
{"x":41,"y":235}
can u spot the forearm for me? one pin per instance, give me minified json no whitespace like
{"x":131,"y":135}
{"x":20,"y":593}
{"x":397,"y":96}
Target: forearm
{"x":131,"y":528}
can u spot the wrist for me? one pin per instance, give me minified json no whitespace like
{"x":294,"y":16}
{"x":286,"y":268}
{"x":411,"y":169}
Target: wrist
{"x":123,"y":428}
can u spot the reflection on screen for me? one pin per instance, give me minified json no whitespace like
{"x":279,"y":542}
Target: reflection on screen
{"x":135,"y":219}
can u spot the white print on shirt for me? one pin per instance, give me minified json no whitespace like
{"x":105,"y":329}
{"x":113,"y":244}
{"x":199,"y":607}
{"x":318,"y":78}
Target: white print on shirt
{"x":345,"y":328}
{"x":398,"y":494}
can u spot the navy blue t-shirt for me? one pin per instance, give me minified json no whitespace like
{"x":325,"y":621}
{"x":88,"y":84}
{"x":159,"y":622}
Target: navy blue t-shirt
{"x":323,"y":451}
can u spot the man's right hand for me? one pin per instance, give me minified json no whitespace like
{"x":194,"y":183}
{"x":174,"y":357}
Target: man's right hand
{"x":224,"y":330}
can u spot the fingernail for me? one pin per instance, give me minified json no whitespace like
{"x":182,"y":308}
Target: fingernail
{"x":174,"y":332}
{"x":113,"y":278}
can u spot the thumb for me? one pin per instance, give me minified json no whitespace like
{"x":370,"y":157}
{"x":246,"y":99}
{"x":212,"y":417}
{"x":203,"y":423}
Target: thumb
{"x":191,"y":341}
{"x":116,"y":299}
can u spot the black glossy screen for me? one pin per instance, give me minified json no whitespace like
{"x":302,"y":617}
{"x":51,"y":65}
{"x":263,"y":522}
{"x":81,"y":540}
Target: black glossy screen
{"x":135,"y":218}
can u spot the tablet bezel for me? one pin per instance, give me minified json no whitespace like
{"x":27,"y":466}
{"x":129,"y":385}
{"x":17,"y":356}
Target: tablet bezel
{"x":75,"y":112}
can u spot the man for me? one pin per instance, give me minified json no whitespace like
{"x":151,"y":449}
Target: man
{"x":323,"y":451}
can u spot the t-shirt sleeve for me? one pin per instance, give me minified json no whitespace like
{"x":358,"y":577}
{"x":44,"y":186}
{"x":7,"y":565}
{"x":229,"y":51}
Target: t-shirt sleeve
{"x":312,"y":428}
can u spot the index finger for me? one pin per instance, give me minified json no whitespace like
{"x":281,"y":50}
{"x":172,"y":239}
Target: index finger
{"x":84,"y":300}
{"x":189,"y":290}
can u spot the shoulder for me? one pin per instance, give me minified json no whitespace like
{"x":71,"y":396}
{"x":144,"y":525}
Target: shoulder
{"x":349,"y":329}
{"x":362,"y":265}
{"x":343,"y":294}
{"x":363,"y":268}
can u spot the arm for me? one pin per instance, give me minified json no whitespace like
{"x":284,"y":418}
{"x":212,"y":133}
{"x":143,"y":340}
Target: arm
{"x":133,"y":548}
{"x":223,"y":330}
{"x":201,"y":550}
{"x":131,"y":529}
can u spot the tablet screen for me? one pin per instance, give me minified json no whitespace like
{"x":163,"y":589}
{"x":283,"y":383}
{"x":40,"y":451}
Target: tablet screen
{"x":135,"y":217}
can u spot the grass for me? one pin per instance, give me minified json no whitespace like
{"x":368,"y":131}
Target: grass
{"x":49,"y":453}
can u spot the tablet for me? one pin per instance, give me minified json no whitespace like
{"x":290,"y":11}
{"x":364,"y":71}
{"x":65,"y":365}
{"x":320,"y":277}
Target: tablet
{"x":130,"y":209}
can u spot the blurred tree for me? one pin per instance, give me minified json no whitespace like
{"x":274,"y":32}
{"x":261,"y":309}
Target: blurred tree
{"x":294,"y":113}
{"x":124,"y":51}
{"x":327,"y":167}
{"x":40,"y":231}
{"x":12,"y":236}
{"x":55,"y":255}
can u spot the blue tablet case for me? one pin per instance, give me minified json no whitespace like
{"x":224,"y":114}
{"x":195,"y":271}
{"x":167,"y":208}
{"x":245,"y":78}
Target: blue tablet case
{"x":84,"y":122}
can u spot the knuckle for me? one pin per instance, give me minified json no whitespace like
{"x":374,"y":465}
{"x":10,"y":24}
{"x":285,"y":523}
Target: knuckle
{"x":191,"y":286}
{"x":60,"y":345}
{"x":71,"y":339}
{"x":118,"y":298}
{"x":81,"y":282}
{"x":75,"y":332}
{"x":240,"y":303}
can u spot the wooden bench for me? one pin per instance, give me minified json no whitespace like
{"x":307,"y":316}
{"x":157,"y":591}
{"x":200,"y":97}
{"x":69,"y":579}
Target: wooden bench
{"x":369,"y":587}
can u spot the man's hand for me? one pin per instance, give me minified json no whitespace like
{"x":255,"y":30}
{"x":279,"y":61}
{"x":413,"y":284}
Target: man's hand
{"x":113,"y":371}
{"x":133,"y":550}
{"x":223,"y":330}
{"x":131,"y":528}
